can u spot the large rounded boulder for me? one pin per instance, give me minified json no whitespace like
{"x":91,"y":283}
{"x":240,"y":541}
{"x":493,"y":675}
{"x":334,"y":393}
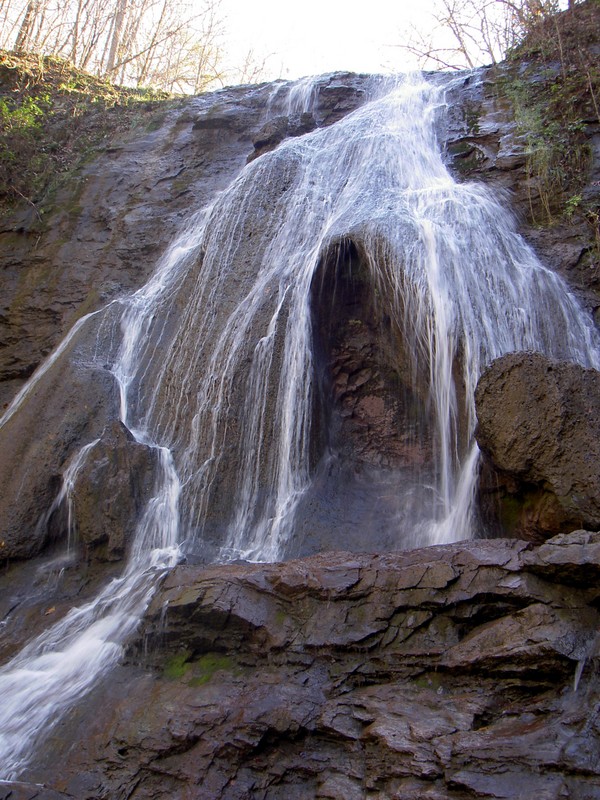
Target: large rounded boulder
{"x":539,"y":430}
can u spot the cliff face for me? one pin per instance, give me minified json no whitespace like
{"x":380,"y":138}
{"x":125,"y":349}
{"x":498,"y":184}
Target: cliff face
{"x":102,"y":231}
{"x":464,"y":671}
{"x":105,"y":227}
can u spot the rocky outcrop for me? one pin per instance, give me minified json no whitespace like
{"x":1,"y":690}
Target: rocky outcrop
{"x":328,"y":101}
{"x":111,"y":488}
{"x":539,"y":429}
{"x":455,"y":672}
{"x":100,"y":233}
{"x":75,"y":404}
{"x":101,"y":238}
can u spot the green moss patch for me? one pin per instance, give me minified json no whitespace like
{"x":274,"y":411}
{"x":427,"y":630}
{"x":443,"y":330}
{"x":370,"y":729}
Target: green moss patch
{"x":207,"y":665}
{"x":177,"y":666}
{"x":198,"y":671}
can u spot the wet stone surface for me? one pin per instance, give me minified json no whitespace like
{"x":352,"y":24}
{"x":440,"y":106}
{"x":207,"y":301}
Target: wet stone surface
{"x":461,"y":671}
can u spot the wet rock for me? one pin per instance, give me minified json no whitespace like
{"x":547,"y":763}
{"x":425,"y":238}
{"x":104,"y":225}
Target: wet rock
{"x":447,"y":672}
{"x":374,"y":405}
{"x":111,"y":489}
{"x":100,"y":235}
{"x":17,"y":790}
{"x":278,"y":129}
{"x":539,"y":427}
{"x":103,"y":238}
{"x":269,"y":136}
{"x":74,"y":402}
{"x":485,"y":143}
{"x":37,"y":593}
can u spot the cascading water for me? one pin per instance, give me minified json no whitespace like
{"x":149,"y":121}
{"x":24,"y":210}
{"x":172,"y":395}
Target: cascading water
{"x":225,"y":367}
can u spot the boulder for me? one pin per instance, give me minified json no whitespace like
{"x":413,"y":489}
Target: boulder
{"x":111,"y":489}
{"x":539,"y":429}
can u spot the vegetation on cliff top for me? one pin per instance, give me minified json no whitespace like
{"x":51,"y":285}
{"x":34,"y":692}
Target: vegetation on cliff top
{"x":52,"y":116}
{"x":553,"y":83}
{"x":171,"y":44}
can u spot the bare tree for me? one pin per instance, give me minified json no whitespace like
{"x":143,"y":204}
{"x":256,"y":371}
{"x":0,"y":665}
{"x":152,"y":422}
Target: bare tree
{"x":252,"y":69}
{"x":116,"y":32}
{"x":468,"y":33}
{"x":169,"y":44}
{"x":25,"y":34}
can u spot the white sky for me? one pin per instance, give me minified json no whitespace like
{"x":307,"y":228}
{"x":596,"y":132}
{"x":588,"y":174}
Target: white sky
{"x":310,"y":37}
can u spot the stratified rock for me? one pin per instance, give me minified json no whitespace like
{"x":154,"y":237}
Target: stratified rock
{"x":111,"y":489}
{"x":539,"y":426}
{"x":449,"y":673}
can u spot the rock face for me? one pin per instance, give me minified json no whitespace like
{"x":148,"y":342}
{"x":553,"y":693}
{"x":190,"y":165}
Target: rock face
{"x":491,"y":137}
{"x":110,"y":490}
{"x":463,"y":671}
{"x":106,"y":227}
{"x":539,"y":428}
{"x":101,"y":239}
{"x":103,"y":234}
{"x":460,"y":672}
{"x":75,"y":404}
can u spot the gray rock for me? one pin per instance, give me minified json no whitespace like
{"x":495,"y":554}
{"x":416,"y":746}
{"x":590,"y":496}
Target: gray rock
{"x":17,"y":790}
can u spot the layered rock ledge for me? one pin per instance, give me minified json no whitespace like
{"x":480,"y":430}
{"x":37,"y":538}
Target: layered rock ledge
{"x":453,"y":672}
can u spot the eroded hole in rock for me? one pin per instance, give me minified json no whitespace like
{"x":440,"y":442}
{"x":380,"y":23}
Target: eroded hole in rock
{"x":373,"y":440}
{"x":374,"y":414}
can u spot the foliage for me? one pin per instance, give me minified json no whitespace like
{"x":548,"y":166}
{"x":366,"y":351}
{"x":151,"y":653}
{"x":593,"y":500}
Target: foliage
{"x":52,"y":116}
{"x":555,"y":100}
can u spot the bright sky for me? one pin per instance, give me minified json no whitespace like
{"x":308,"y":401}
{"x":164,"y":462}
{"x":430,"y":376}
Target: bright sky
{"x":309,"y":37}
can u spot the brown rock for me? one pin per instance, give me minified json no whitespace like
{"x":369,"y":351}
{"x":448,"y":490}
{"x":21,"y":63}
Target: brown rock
{"x":72,"y":403}
{"x":322,"y":678}
{"x":539,"y":427}
{"x":111,"y":489}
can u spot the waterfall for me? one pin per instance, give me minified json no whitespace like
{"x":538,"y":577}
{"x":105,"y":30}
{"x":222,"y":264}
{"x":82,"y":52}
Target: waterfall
{"x":226,"y":364}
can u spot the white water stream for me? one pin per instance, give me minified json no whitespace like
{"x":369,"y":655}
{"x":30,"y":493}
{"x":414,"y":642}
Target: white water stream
{"x":216,"y":365}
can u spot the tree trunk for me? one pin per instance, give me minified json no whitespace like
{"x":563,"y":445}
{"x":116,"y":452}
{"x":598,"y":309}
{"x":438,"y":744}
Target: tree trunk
{"x":117,"y":32}
{"x":26,"y":29}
